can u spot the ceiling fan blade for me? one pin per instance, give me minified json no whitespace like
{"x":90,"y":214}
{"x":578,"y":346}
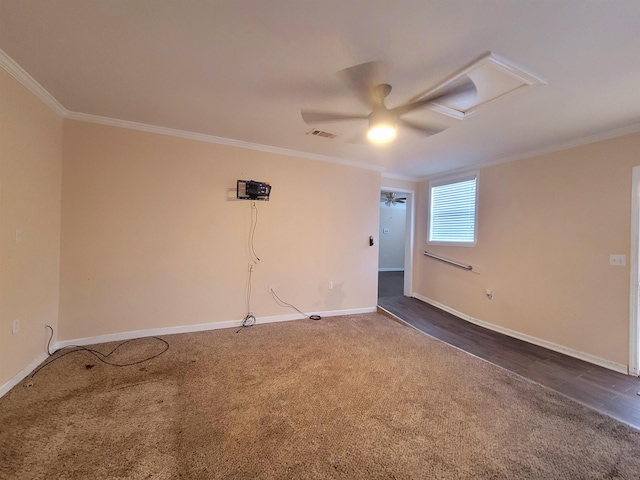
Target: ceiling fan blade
{"x":362,"y":79}
{"x":462,"y":89}
{"x":312,"y":117}
{"x":401,"y":200}
{"x":424,"y":130}
{"x":388,"y":203}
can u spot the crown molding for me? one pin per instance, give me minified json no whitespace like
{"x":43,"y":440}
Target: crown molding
{"x":201,"y":137}
{"x":395,"y":176}
{"x":16,"y":71}
{"x":21,"y":75}
{"x":556,"y":147}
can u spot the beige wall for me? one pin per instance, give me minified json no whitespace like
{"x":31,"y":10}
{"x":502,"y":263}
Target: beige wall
{"x":546,"y":228}
{"x":152,"y":235}
{"x":30,"y":166}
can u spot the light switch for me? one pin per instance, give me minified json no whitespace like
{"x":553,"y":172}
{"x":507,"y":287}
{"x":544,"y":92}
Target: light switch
{"x":18,"y":235}
{"x":385,"y":230}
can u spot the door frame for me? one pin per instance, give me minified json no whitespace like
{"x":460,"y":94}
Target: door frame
{"x":408,"y":236}
{"x":634,"y":259}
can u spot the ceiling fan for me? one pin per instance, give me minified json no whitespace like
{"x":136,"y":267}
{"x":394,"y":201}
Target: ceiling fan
{"x":383,"y":121}
{"x":392,"y":198}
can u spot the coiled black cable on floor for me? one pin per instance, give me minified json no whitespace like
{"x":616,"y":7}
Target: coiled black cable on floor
{"x":103,"y":357}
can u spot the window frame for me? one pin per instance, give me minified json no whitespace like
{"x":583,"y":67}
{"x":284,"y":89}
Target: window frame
{"x":457,"y":178}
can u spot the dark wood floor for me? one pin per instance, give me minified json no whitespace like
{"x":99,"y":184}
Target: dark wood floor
{"x":607,"y":391}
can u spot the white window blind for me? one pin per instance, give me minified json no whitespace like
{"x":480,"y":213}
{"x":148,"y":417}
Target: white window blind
{"x":452,"y":211}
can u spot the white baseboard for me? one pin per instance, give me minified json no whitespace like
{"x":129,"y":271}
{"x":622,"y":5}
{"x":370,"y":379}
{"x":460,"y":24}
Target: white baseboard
{"x":22,"y":374}
{"x":587,"y":357}
{"x":154,"y":332}
{"x":391,"y":269}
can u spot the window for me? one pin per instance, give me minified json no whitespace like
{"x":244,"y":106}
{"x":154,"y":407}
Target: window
{"x":452,"y":210}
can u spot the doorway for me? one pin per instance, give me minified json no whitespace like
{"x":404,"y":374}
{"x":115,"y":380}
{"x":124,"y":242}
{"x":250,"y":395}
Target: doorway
{"x":395,"y":245}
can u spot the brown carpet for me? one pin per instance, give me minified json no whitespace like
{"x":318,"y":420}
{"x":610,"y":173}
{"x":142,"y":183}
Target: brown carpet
{"x":353,"y":397}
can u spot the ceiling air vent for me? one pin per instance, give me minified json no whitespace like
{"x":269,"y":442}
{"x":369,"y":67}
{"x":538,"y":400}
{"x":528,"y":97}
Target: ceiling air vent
{"x":320,"y":133}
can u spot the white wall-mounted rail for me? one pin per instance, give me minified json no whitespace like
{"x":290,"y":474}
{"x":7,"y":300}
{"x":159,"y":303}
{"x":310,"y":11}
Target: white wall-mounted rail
{"x":450,"y":262}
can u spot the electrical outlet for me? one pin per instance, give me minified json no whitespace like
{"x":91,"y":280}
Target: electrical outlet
{"x":618,"y":260}
{"x":15,"y":326}
{"x":18,"y":235}
{"x":489,"y":294}
{"x":330,"y":285}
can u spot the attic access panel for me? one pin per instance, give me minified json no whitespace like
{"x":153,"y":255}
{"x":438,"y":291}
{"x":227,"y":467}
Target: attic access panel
{"x":494,"y":76}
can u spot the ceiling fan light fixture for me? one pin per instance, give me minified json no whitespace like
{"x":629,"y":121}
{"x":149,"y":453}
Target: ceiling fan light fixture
{"x":382,"y":126}
{"x":382,"y":133}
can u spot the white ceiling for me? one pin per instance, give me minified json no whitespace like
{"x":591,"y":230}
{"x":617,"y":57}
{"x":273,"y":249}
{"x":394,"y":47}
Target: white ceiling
{"x":243,"y":69}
